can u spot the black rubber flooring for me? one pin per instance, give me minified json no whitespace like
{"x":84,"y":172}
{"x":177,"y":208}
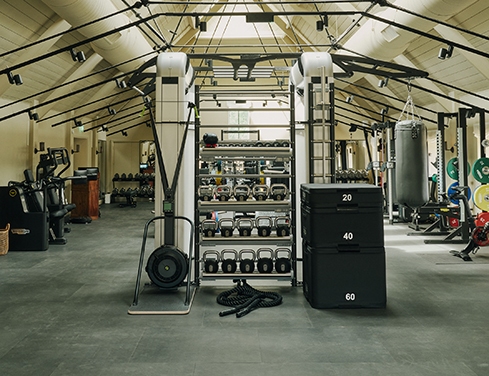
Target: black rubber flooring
{"x":64,"y":312}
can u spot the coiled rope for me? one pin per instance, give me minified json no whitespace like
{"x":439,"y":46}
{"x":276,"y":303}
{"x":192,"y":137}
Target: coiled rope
{"x":246,"y":299}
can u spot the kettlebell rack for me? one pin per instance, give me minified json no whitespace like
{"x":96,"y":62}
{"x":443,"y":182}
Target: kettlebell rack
{"x":235,"y":246}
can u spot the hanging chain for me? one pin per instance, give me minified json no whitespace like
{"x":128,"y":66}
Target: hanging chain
{"x":409,"y":107}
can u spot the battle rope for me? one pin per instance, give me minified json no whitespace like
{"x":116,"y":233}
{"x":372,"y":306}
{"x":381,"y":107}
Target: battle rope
{"x":246,"y":299}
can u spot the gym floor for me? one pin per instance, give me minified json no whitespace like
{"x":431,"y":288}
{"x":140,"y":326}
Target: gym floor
{"x":64,"y":312}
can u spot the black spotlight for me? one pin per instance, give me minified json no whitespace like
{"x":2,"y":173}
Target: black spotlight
{"x":14,"y":79}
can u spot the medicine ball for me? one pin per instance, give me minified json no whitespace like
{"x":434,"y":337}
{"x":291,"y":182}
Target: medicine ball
{"x":167,"y":266}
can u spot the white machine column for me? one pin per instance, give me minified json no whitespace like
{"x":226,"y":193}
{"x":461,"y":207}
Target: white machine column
{"x":174,"y":91}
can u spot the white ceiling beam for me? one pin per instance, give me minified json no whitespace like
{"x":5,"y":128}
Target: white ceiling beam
{"x":403,"y":60}
{"x":85,"y":68}
{"x":479,"y":62}
{"x":58,"y":26}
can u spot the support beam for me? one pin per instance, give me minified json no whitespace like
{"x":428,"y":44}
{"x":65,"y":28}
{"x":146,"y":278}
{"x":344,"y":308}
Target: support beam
{"x":57,"y":27}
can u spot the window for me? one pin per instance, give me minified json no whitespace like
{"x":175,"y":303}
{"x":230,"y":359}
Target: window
{"x":239,"y":118}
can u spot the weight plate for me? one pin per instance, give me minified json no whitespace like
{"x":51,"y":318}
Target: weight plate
{"x":480,"y":170}
{"x":451,"y":191}
{"x":452,"y":170}
{"x":481,"y":219}
{"x":481,"y":197}
{"x":453,"y":222}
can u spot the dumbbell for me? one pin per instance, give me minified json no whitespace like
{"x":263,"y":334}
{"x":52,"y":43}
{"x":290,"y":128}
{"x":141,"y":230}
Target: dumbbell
{"x":151,"y":191}
{"x":146,"y":176}
{"x":152,"y":176}
{"x":282,"y":226}
{"x":228,"y":265}
{"x":241,"y":192}
{"x":211,"y":265}
{"x":130,"y":176}
{"x":285,"y":144}
{"x":226,"y":226}
{"x":264,"y":226}
{"x":260,"y":192}
{"x":137,"y":176}
{"x":282,"y":264}
{"x":143,"y":191}
{"x":244,"y":226}
{"x":278,"y":192}
{"x":247,"y":265}
{"x":122,"y":191}
{"x":124,"y":176}
{"x":209,"y":227}
{"x":116,"y":177}
{"x":223,"y":193}
{"x":137,"y":191}
{"x":276,"y":144}
{"x":205,"y":192}
{"x":115,"y":192}
{"x":264,"y":264}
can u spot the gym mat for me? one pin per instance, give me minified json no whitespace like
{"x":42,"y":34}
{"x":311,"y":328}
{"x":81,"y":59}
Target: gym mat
{"x":154,"y":301}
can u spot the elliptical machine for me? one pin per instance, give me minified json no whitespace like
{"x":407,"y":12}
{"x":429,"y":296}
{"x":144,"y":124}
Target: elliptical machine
{"x":46,"y":171}
{"x":479,"y":236}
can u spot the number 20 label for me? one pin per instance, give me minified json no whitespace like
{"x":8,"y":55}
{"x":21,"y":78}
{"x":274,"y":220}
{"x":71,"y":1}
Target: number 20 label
{"x":347,"y":197}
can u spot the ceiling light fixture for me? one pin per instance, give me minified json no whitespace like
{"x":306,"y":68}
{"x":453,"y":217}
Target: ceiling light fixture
{"x":77,"y":56}
{"x":445,"y":53}
{"x":14,"y":79}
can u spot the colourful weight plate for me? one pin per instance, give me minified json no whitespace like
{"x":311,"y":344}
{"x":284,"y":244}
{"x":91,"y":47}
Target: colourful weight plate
{"x":480,"y":170}
{"x":451,"y":191}
{"x":453,"y":171}
{"x":481,"y":219}
{"x":481,"y":197}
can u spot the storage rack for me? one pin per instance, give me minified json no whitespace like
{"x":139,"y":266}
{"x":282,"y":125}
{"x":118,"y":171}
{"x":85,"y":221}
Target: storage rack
{"x":223,"y":153}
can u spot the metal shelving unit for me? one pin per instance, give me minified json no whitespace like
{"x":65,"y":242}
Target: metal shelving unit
{"x":243,"y":154}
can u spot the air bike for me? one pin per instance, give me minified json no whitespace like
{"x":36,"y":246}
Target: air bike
{"x":479,"y":235}
{"x":167,"y":266}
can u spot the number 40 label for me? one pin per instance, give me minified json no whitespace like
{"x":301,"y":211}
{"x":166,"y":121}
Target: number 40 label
{"x":348,"y":236}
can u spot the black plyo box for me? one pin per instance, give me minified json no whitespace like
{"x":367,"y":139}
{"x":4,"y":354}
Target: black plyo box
{"x":347,"y":195}
{"x":341,"y":279}
{"x":340,"y":226}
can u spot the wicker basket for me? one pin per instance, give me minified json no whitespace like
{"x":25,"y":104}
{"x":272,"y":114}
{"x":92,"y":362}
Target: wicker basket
{"x":4,"y":240}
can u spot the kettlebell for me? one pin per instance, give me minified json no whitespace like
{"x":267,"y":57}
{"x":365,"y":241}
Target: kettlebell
{"x":229,"y":265}
{"x":245,"y":226}
{"x":209,"y":227}
{"x":264,"y":225}
{"x":264,"y":264}
{"x":260,"y":192}
{"x":226,"y":225}
{"x":278,"y":191}
{"x":282,"y":264}
{"x":211,"y":265}
{"x":282,"y":226}
{"x":247,"y":265}
{"x":241,"y":192}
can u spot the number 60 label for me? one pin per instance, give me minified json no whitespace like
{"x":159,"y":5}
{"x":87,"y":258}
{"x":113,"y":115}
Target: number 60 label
{"x":350,"y":296}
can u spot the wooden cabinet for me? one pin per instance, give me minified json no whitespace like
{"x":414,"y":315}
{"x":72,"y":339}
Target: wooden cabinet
{"x":86,"y":198}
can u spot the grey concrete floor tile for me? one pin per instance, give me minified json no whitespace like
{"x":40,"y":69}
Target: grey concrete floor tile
{"x":64,"y":312}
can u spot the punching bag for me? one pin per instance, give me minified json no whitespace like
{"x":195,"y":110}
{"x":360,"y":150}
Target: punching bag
{"x":411,"y":142}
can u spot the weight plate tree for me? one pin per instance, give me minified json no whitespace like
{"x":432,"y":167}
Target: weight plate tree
{"x":481,"y":197}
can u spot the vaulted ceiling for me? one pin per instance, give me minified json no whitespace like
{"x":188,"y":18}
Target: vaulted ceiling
{"x":173,"y":28}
